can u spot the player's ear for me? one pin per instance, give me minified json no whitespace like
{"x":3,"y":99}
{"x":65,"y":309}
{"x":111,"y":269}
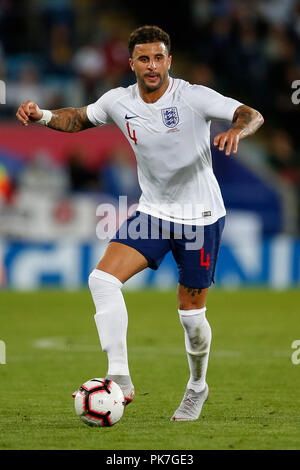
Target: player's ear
{"x":131,"y":63}
{"x":169,"y":61}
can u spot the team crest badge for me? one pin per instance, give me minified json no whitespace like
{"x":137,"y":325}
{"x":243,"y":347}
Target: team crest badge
{"x":170,"y":116}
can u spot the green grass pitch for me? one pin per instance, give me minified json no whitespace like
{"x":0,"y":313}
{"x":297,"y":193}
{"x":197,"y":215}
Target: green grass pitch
{"x":52,"y":347}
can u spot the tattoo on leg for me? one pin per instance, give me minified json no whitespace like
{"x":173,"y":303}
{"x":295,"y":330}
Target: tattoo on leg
{"x":193,"y":291}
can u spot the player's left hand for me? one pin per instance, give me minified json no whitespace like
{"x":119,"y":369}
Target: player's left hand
{"x":230,"y":139}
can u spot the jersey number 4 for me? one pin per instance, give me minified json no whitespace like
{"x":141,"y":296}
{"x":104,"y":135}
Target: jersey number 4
{"x":132,"y":136}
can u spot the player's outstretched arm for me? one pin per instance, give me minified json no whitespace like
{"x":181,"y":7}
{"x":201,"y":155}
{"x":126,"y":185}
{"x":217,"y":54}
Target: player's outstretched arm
{"x":248,"y":120}
{"x":245,"y":121}
{"x":70,"y":120}
{"x":65,"y":119}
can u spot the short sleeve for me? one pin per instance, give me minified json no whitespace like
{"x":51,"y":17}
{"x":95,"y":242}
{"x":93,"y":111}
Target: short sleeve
{"x":98,"y":112}
{"x":211,"y":104}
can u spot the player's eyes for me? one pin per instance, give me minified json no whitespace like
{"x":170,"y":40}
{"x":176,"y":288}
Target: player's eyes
{"x":146,"y":59}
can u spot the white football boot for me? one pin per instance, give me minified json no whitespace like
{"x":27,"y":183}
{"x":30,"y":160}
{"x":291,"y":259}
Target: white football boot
{"x":191,"y":405}
{"x":128,"y":392}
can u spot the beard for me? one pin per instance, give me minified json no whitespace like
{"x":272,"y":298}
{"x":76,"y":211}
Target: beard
{"x":158,"y":83}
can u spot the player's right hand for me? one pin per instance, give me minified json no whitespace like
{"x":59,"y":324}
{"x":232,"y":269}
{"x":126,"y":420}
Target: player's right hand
{"x":28,"y":111}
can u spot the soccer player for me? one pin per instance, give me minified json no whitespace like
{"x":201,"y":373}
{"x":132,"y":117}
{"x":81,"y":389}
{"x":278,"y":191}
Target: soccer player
{"x":167,"y":123}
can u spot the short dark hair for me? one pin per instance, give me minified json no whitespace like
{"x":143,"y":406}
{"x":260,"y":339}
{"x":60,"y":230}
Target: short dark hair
{"x":146,"y":34}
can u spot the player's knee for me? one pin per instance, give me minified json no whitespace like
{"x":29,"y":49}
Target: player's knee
{"x":191,"y":298}
{"x":190,"y":304}
{"x":103,"y":284}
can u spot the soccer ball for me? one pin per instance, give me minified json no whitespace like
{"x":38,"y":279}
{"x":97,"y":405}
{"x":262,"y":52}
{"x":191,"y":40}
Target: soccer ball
{"x":99,"y":402}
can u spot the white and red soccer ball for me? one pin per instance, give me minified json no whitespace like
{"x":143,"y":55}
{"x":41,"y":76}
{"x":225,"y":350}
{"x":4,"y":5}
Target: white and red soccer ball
{"x":99,"y":402}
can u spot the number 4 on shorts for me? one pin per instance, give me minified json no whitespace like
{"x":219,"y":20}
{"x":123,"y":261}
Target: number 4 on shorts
{"x":202,"y":262}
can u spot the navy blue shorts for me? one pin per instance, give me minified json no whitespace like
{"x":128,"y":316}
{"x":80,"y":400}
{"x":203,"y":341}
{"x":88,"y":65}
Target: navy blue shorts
{"x":194,"y":248}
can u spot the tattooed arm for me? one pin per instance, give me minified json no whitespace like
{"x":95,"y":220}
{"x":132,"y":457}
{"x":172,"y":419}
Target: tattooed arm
{"x":70,"y":120}
{"x":248,"y":120}
{"x":65,"y":119}
{"x":245,"y":121}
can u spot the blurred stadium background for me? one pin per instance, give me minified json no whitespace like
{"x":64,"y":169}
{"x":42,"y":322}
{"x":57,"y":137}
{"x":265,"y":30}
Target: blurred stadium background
{"x":63,"y":53}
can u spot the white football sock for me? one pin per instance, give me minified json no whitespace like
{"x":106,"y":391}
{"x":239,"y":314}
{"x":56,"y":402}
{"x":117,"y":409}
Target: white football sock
{"x":111,"y":319}
{"x":197,"y":333}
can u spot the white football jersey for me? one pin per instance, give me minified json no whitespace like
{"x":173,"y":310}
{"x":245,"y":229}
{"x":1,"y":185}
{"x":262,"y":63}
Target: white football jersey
{"x":171,"y":142}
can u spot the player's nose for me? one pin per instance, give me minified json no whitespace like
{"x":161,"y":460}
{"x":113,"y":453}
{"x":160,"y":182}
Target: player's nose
{"x":152,"y":65}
